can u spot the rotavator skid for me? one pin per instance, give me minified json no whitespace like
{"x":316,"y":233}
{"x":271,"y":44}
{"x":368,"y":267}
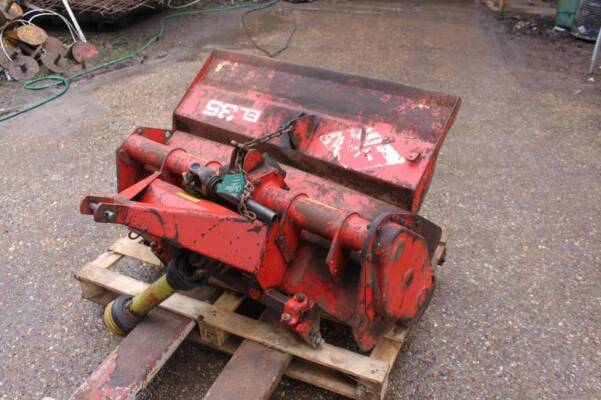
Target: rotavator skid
{"x":295,"y":185}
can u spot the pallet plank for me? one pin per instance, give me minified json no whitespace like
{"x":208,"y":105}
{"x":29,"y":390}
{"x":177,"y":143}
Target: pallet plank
{"x":343,"y":360}
{"x":298,"y":369}
{"x":104,"y":260}
{"x":322,"y":377}
{"x":135,"y":249}
{"x":387,"y":350}
{"x":441,"y":250}
{"x":320,"y":374}
{"x":253,"y":372}
{"x":228,"y":301}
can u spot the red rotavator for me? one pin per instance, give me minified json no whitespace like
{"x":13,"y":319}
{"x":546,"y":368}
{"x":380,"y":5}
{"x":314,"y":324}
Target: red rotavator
{"x":296,"y":185}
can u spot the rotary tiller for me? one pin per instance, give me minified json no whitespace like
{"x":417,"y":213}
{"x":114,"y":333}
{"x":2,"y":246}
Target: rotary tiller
{"x":295,"y":185}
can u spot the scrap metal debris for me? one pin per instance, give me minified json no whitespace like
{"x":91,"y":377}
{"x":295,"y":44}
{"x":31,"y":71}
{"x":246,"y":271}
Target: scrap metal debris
{"x":54,"y":61}
{"x":83,"y":52}
{"x":25,"y":46}
{"x":29,"y":34}
{"x":102,"y":11}
{"x":22,"y":67}
{"x":9,"y":11}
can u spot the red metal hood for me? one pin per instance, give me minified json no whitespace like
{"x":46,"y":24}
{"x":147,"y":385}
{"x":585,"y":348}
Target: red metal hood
{"x":379,"y":137}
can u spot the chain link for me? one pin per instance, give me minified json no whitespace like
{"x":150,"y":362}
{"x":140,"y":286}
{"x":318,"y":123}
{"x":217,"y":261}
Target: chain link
{"x":284,"y":129}
{"x":246,"y":194}
{"x":248,"y":185}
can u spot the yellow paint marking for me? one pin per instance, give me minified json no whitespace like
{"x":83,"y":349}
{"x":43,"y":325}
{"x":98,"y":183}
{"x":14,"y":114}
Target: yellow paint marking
{"x":188,"y":197}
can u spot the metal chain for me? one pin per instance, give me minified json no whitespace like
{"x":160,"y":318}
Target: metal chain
{"x":246,"y":194}
{"x":248,"y":186}
{"x":284,"y":129}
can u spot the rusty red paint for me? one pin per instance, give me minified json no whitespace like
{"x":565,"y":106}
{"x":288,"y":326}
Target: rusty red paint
{"x":353,"y":252}
{"x":383,"y":135}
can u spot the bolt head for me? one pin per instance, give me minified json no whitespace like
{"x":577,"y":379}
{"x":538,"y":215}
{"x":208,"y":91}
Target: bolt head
{"x":316,"y":339}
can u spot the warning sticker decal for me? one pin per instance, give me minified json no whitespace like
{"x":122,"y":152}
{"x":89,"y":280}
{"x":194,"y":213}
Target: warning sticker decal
{"x":361,"y":148}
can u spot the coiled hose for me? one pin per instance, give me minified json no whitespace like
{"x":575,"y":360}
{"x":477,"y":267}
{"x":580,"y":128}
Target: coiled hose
{"x":55,"y":81}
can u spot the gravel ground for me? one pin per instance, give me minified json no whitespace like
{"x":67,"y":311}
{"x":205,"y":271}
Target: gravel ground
{"x":517,"y":310}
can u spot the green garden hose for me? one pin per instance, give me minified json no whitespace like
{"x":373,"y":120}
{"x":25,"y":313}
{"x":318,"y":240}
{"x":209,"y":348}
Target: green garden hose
{"x":55,"y":81}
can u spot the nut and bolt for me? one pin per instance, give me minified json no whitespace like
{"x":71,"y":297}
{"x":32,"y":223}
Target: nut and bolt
{"x":286,"y":317}
{"x":316,"y":339}
{"x":108,"y":214}
{"x":300,"y":297}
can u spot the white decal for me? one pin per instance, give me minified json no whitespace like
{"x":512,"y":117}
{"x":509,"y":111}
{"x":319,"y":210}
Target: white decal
{"x":212,"y":108}
{"x":353,"y":148}
{"x":227,"y":111}
{"x":250,"y":115}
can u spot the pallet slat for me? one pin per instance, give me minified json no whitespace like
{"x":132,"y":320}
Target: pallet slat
{"x":103,"y":261}
{"x":254,"y":370}
{"x":135,"y":249}
{"x":323,"y":377}
{"x":346,"y":361}
{"x":298,"y":369}
{"x":228,"y":301}
{"x":323,"y":369}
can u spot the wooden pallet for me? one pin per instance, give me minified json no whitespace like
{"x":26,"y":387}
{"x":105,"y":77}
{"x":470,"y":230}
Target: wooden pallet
{"x":339,"y":370}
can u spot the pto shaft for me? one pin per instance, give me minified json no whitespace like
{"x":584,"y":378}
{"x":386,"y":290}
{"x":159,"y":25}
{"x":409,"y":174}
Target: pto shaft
{"x":123,"y":314}
{"x":151,"y":297}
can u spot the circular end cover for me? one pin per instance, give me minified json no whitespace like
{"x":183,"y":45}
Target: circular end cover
{"x":404,"y":273}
